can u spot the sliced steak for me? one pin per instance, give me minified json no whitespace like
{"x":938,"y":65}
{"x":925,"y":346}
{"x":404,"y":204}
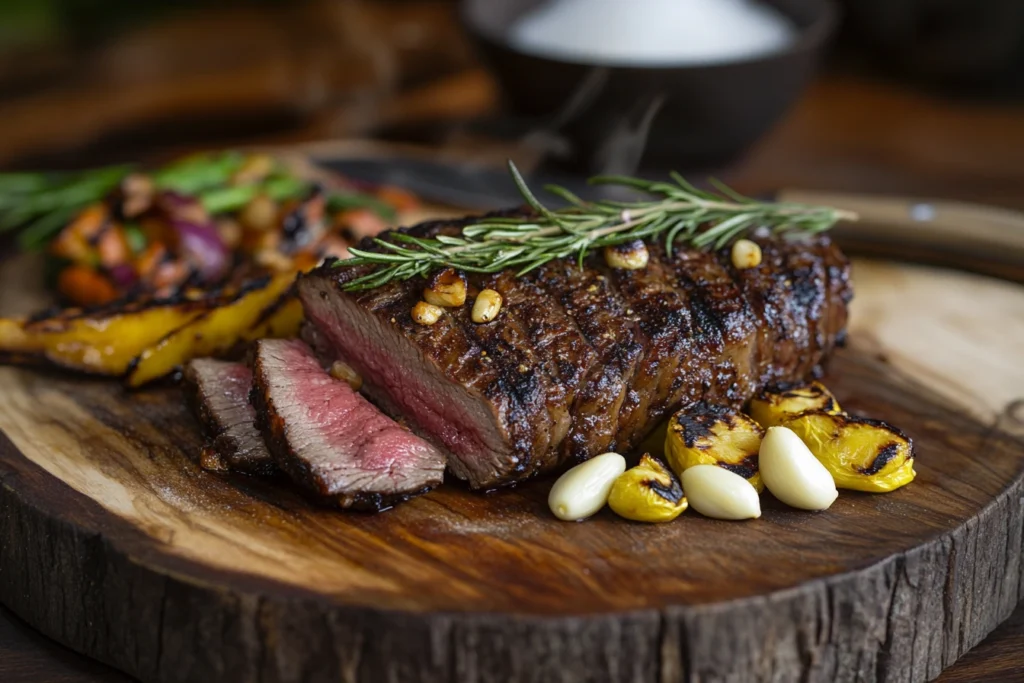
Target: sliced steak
{"x":580,"y":361}
{"x":218,"y":392}
{"x":331,"y":440}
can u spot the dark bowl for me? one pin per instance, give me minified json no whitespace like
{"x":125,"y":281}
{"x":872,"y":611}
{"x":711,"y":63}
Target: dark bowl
{"x":616,"y":118}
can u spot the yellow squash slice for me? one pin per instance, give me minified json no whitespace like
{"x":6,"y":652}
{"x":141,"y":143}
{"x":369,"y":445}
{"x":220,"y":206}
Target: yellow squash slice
{"x":649,"y":492}
{"x":772,"y":408}
{"x":101,"y":342}
{"x":861,"y":454}
{"x":219,"y":330}
{"x":713,"y":435}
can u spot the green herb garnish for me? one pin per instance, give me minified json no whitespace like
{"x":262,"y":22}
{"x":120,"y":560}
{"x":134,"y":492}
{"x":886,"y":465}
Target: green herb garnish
{"x":677,"y":212}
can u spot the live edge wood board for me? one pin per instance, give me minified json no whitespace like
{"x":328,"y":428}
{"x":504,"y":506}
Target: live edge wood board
{"x":115,"y":543}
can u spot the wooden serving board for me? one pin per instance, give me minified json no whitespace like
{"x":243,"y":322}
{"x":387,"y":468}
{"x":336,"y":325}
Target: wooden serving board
{"x":115,"y":543}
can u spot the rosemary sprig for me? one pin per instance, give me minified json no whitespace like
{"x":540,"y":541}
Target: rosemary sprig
{"x":676,"y":211}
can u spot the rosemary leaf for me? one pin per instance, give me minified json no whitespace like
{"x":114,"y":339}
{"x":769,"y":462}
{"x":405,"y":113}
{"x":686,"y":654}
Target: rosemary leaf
{"x":677,"y":211}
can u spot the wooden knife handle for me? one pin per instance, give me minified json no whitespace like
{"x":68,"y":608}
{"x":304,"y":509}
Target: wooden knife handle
{"x":975,"y":237}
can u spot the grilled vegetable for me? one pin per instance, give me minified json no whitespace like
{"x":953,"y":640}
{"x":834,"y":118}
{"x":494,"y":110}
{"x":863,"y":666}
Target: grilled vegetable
{"x":102,"y":342}
{"x":86,"y":286}
{"x":772,"y":408}
{"x":861,"y":454}
{"x":649,"y":492}
{"x":213,"y":333}
{"x":280,"y":320}
{"x":713,"y":435}
{"x":201,"y":222}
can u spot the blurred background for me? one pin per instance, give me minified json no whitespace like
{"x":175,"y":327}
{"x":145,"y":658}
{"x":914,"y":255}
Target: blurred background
{"x":894,"y":96}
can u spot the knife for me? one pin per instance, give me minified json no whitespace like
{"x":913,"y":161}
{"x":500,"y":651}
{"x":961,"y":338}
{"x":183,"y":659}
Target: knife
{"x":974,"y":237}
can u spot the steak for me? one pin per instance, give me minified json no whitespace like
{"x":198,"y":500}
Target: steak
{"x":218,"y":392}
{"x":583,"y":360}
{"x":331,"y":440}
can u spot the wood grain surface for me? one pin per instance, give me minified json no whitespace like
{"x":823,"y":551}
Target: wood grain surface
{"x":847,"y":133}
{"x":118,"y":545}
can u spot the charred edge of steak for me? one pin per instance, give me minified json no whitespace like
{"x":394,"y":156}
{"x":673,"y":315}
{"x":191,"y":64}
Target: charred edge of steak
{"x":371,"y":502}
{"x":227,"y":448}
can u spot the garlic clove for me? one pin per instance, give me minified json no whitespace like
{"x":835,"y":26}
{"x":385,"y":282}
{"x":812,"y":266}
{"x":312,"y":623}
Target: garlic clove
{"x":345,"y":373}
{"x":486,"y":307}
{"x":446,"y":288}
{"x":426,"y":314}
{"x":629,"y":256}
{"x":745,"y":254}
{"x":584,"y":490}
{"x":718,"y":493}
{"x":792,"y":473}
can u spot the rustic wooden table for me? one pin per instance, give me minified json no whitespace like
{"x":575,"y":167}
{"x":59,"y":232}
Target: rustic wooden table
{"x":845,"y":134}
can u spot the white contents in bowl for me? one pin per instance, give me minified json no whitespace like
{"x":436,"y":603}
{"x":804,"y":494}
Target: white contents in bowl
{"x":652,"y":32}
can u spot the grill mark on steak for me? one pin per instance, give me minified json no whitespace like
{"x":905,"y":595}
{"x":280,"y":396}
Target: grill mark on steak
{"x":754,"y":285}
{"x":329,"y":439}
{"x":590,"y":300}
{"x":838,"y":277}
{"x":218,"y":393}
{"x":662,"y":315}
{"x":766,"y":290}
{"x":558,"y":355}
{"x":724,"y":344}
{"x":699,"y":329}
{"x":520,"y":380}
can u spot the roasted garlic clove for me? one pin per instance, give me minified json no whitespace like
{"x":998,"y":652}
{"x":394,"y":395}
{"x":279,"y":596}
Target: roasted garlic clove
{"x":771,"y":408}
{"x":649,"y":492}
{"x":713,"y":435}
{"x":792,"y":473}
{"x":426,"y":314}
{"x":345,"y":373}
{"x":446,"y":288}
{"x":861,"y":454}
{"x":720,"y":494}
{"x":630,"y":256}
{"x":745,"y":254}
{"x":486,"y":307}
{"x":583,"y":490}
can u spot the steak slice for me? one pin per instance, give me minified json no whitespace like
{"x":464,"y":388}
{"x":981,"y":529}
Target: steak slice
{"x":331,"y":440}
{"x":218,"y":392}
{"x":529,"y":392}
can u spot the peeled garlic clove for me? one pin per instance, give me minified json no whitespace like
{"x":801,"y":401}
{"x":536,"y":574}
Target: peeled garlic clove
{"x":583,"y":490}
{"x":716,"y":492}
{"x":792,"y":473}
{"x":746,"y":254}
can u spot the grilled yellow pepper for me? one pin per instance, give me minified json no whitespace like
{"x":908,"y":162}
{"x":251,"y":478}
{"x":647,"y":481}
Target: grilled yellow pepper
{"x":861,"y":454}
{"x":101,"y":342}
{"x":219,"y":330}
{"x":648,"y":492}
{"x":713,"y":435}
{"x":771,"y":409}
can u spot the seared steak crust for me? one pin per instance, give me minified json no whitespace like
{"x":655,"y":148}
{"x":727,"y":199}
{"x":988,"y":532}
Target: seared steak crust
{"x":582,"y":361}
